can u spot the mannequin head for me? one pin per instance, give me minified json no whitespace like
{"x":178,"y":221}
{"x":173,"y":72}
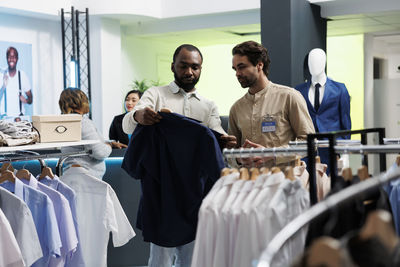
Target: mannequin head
{"x":316,"y":61}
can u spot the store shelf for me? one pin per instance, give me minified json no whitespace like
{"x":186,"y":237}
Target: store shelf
{"x":48,"y":146}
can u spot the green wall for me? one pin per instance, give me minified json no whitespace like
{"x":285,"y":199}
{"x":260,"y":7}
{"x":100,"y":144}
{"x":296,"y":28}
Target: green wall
{"x":345,"y":63}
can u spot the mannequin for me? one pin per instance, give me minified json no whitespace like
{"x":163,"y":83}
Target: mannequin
{"x":331,"y":112}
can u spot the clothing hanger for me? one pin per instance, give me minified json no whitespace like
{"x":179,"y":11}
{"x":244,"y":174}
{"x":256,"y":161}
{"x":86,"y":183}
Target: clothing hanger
{"x":225,"y":172}
{"x":325,"y":251}
{"x":379,"y":224}
{"x":362,"y":173}
{"x":7,"y":175}
{"x":7,"y":166}
{"x":46,"y":171}
{"x":23,"y":174}
{"x":398,"y":160}
{"x":264,"y":170}
{"x":347,"y":174}
{"x":317,"y":159}
{"x":297,"y":162}
{"x":75,"y":165}
{"x":255,"y":172}
{"x":244,"y":173}
{"x":233,"y":170}
{"x":289,"y":174}
{"x":275,"y":170}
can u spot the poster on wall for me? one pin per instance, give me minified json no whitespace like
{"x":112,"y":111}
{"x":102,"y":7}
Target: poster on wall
{"x":16,"y":98}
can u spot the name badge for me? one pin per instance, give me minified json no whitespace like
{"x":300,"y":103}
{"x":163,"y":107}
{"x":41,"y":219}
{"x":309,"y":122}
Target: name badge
{"x":268,"y":124}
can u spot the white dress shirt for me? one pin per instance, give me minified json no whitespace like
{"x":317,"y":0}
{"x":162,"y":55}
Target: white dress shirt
{"x":22,"y":224}
{"x":203,"y":253}
{"x":99,"y":212}
{"x":170,"y":96}
{"x":10,"y":253}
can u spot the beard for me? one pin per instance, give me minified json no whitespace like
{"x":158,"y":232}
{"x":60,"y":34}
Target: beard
{"x":185,"y":84}
{"x":246,"y":82}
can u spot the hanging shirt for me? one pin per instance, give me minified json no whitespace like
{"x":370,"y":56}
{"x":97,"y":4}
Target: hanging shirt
{"x":177,"y":161}
{"x":10,"y":253}
{"x":65,"y":223}
{"x":44,"y":218}
{"x":248,"y":238}
{"x":22,"y":224}
{"x":76,"y":258}
{"x":204,"y":233}
{"x":99,"y":212}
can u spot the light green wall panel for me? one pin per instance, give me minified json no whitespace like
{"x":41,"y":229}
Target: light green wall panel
{"x":345,"y":63}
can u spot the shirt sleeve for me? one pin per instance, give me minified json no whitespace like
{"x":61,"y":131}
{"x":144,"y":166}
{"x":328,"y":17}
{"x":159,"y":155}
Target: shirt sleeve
{"x":214,"y":120}
{"x":148,"y":99}
{"x":100,"y":150}
{"x":345,"y":120}
{"x":299,"y":117}
{"x":233,"y":128}
{"x":25,"y":84}
{"x":118,"y":223}
{"x":112,"y":133}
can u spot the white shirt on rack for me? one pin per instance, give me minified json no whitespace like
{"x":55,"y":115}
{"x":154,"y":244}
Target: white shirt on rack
{"x":99,"y":212}
{"x":22,"y":224}
{"x":10,"y":253}
{"x":221,"y":254}
{"x":203,"y":252}
{"x":247,"y":247}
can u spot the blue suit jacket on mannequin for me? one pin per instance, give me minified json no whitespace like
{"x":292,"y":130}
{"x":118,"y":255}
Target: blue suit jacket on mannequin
{"x":334,"y":111}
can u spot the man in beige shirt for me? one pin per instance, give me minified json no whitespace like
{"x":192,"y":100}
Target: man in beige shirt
{"x":269,"y":114}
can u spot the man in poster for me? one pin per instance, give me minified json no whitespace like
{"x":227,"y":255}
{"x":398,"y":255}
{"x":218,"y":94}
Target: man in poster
{"x":15,"y":89}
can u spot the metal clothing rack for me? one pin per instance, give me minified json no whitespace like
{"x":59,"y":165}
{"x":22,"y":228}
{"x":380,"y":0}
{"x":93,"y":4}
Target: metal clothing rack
{"x":331,"y":202}
{"x":333,"y":152}
{"x":15,"y":154}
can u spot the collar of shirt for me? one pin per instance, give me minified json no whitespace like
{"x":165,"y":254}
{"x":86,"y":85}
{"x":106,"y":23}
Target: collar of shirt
{"x":274,"y":179}
{"x":322,"y":83}
{"x":259,"y":94}
{"x":176,"y":89}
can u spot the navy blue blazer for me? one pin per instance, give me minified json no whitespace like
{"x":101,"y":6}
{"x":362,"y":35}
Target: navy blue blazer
{"x":334,"y":111}
{"x":177,"y":162}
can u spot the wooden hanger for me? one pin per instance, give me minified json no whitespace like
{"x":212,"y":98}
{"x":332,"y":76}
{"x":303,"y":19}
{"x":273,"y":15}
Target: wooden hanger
{"x":7,"y":175}
{"x":379,"y":224}
{"x":75,"y":165}
{"x":255,"y":172}
{"x":297,"y":162}
{"x":233,"y":170}
{"x":6,"y":166}
{"x":275,"y":170}
{"x":347,"y":174}
{"x":47,"y":171}
{"x":289,"y":173}
{"x":325,"y":251}
{"x":317,"y":159}
{"x":362,"y":173}
{"x":264,"y":170}
{"x":398,"y":160}
{"x":23,"y":174}
{"x":225,"y":172}
{"x":244,"y":174}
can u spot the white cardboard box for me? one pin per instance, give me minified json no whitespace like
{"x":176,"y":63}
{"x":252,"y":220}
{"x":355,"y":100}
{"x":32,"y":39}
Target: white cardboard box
{"x":58,"y":128}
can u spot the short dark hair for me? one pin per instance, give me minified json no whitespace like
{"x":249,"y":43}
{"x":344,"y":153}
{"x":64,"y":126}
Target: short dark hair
{"x":72,"y":99}
{"x":134,"y":92}
{"x":255,"y":52}
{"x":9,"y":49}
{"x":188,"y":47}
